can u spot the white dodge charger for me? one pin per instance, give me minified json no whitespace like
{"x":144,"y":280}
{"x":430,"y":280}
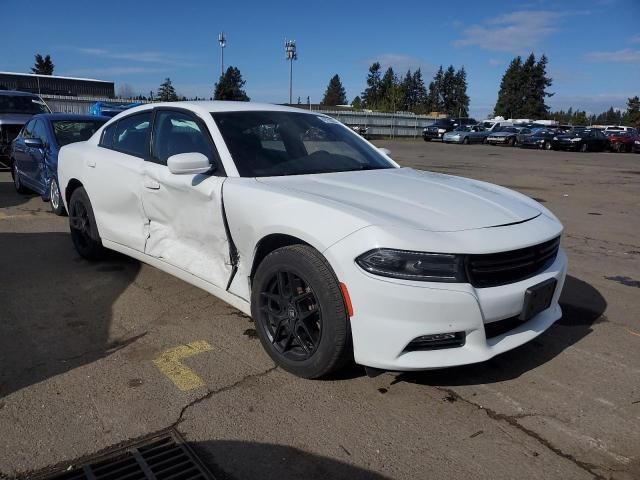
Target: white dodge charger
{"x":336,"y":251}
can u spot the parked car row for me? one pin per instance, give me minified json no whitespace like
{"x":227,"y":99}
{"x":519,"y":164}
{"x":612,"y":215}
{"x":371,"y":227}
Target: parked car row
{"x":544,"y":137}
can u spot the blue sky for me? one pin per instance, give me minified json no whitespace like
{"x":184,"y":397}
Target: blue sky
{"x":593,"y":45}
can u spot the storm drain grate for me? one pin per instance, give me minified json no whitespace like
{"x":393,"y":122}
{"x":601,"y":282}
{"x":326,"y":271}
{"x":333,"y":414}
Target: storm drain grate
{"x":164,"y":457}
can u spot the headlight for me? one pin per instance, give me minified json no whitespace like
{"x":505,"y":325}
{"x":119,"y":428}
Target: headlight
{"x":637,"y":142}
{"x":577,"y":139}
{"x":441,"y":130}
{"x":555,"y":138}
{"x":407,"y":265}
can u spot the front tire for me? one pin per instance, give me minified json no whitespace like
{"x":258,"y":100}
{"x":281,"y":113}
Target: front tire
{"x":300,"y":313}
{"x":584,"y":148}
{"x":547,"y":145}
{"x":465,"y":141}
{"x":84,"y":231}
{"x":55,"y":199}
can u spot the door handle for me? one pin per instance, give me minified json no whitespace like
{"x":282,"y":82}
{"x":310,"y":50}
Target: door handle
{"x":151,"y":184}
{"x":91,"y":163}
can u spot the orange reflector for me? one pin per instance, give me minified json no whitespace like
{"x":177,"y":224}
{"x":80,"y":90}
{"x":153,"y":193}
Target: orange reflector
{"x":347,"y":299}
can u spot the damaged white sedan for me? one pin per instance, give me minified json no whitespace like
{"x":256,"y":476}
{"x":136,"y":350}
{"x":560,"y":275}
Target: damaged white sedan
{"x":336,"y":251}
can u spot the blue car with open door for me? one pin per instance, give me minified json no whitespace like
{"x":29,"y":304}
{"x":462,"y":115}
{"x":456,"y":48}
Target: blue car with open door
{"x":34,"y":152}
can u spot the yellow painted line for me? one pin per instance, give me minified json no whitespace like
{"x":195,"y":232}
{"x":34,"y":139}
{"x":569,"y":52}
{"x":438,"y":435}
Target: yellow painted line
{"x":170,"y":364}
{"x":632,"y":332}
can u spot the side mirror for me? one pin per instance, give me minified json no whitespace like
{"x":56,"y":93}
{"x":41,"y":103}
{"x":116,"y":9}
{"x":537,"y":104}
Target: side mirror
{"x":33,"y":142}
{"x":386,"y":151}
{"x":188,"y":163}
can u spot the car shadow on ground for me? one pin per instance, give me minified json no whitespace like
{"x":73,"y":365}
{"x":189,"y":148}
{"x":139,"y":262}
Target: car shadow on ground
{"x":582,"y":307}
{"x":10,"y":198}
{"x":237,"y":460}
{"x":55,"y":307}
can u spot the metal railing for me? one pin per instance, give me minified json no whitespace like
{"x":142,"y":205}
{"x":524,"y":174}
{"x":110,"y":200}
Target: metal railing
{"x":378,"y":123}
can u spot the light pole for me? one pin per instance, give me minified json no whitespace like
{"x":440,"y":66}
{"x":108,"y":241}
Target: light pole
{"x":290,"y":50}
{"x":222,"y":40}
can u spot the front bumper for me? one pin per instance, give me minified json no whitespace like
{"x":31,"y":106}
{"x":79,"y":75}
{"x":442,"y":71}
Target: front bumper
{"x":498,"y":140}
{"x":433,"y":135}
{"x":389,"y":314}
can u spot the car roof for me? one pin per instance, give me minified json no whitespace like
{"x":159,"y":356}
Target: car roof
{"x":70,"y":116}
{"x":217,"y":106}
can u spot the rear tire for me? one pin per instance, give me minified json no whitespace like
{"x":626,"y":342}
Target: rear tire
{"x":82,"y":223}
{"x":17,"y":183}
{"x":300,"y":313}
{"x":426,"y":139}
{"x":55,"y":199}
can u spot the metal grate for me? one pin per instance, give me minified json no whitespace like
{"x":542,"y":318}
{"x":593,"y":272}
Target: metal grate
{"x":163,"y":457}
{"x":495,"y":269}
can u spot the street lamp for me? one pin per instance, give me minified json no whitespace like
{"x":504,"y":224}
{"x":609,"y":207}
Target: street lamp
{"x":290,"y":50}
{"x":222,"y":40}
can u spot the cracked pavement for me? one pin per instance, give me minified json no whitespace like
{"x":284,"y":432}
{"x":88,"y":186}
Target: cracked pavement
{"x":77,"y":343}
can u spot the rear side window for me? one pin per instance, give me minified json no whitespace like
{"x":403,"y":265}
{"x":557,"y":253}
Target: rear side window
{"x":107,"y":135}
{"x":132,"y":134}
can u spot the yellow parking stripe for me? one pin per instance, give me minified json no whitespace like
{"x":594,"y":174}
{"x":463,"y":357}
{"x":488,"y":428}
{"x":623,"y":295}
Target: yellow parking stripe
{"x":169,"y":364}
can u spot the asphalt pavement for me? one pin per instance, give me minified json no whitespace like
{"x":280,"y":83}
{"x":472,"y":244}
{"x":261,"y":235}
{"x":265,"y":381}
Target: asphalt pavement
{"x":94,"y":355}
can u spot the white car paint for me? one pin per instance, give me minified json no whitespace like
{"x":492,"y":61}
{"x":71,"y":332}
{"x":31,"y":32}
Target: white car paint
{"x":176,"y":223}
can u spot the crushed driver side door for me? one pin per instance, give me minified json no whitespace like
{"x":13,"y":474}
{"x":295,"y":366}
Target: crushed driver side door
{"x":185,"y":221}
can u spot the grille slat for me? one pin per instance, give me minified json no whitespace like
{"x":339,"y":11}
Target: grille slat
{"x":491,"y":270}
{"x":163,"y":458}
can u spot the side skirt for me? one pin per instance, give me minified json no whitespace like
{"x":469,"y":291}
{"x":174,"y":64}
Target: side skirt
{"x":218,"y":292}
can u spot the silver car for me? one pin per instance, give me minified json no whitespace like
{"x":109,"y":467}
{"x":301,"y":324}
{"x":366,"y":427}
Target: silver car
{"x":467,"y":134}
{"x":504,"y":136}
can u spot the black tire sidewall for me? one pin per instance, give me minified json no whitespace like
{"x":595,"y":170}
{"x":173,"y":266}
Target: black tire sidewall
{"x":94,"y":249}
{"x":335,"y":336}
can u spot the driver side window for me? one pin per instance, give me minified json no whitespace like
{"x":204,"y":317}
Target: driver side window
{"x":176,"y":132}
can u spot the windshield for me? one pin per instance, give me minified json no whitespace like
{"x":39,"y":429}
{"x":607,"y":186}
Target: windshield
{"x":71,"y":131}
{"x":268,"y":143}
{"x":22,"y":104}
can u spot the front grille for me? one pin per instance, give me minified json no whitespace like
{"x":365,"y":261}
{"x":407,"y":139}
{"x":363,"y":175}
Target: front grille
{"x":490,"y":270}
{"x":495,"y":329}
{"x":160,"y":458}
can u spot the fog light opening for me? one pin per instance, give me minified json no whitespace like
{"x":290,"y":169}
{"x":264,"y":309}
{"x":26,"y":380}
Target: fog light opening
{"x":437,"y":340}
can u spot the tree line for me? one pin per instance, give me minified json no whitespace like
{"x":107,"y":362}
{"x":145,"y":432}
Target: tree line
{"x":523,"y":92}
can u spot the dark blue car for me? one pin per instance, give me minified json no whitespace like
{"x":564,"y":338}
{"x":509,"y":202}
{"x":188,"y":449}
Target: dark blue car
{"x":34,"y":152}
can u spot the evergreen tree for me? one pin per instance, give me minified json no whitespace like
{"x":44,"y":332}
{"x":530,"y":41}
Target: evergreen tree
{"x":166,"y":92}
{"x":419,"y":95}
{"x":390,"y":98}
{"x":523,"y":89}
{"x":335,"y":93}
{"x":408,"y":91}
{"x":229,"y":87}
{"x":371,"y":95}
{"x":357,"y":103}
{"x":632,"y":116}
{"x":461,"y":99}
{"x":510,"y":93}
{"x":43,"y":65}
{"x":435,"y":98}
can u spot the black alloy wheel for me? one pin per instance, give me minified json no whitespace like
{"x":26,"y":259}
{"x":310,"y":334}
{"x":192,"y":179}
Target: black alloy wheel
{"x":300,"y":312}
{"x":82,"y":223}
{"x":291,"y":315}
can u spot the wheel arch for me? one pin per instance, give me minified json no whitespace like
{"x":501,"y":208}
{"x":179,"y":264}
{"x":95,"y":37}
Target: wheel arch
{"x":271,"y":242}
{"x":73,"y":185}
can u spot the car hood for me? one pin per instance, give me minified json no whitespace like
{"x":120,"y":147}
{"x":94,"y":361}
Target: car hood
{"x":14,"y":118}
{"x":414,"y":198}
